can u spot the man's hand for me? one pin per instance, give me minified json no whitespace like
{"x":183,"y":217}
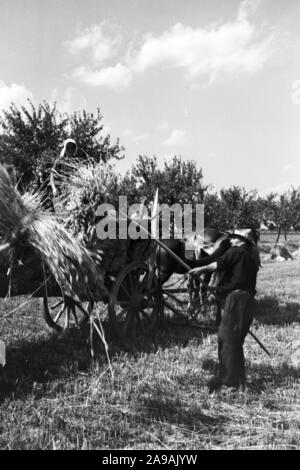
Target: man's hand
{"x":210,"y":268}
{"x":197,"y":271}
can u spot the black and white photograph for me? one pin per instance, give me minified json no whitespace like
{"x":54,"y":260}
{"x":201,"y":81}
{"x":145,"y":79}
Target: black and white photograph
{"x":149,"y":227}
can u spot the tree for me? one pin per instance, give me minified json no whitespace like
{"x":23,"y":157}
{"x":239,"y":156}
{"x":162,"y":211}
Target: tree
{"x":28,"y":136}
{"x":179,"y":181}
{"x":86,"y":128}
{"x":283,"y":209}
{"x":31,"y":139}
{"x":287,"y":211}
{"x":295,"y":207}
{"x":232,"y":208}
{"x":214,"y":216}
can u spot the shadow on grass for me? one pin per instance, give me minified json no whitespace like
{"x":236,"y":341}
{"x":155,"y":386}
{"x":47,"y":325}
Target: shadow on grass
{"x":270,"y":310}
{"x":50,"y":358}
{"x":190,"y":417}
{"x":264,"y":376}
{"x":162,"y":403}
{"x":63,"y":356}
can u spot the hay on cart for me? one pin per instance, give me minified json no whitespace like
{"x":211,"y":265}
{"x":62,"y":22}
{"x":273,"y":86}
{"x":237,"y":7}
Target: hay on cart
{"x":24,"y":223}
{"x":82,"y":192}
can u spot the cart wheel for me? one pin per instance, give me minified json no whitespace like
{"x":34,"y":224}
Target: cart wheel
{"x":175,"y":298}
{"x":64,"y":312}
{"x":135,"y":304}
{"x":179,"y":306}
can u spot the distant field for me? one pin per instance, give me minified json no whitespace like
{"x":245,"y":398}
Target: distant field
{"x":267,"y":240}
{"x":270,"y":237}
{"x":56,"y":396}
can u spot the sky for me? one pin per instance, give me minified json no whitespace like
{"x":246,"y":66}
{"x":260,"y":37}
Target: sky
{"x":216,"y":82}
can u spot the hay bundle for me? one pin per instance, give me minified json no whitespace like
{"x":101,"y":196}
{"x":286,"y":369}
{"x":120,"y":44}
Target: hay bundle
{"x":280,"y":253}
{"x":83,"y":192}
{"x":15,"y":216}
{"x":23,"y":222}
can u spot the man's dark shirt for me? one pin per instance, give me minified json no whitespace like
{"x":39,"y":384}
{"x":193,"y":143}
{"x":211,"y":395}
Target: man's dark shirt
{"x":239,"y":270}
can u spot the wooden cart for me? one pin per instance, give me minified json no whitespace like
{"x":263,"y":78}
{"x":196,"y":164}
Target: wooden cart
{"x":134,"y":302}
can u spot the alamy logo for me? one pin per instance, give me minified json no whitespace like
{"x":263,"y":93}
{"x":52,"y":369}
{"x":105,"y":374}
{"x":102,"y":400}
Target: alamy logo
{"x":138,"y":222}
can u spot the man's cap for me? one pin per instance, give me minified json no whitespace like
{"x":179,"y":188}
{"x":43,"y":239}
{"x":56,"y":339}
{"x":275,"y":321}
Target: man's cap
{"x":244,"y":235}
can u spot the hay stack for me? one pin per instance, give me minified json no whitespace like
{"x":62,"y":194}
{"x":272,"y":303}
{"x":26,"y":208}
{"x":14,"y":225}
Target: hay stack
{"x":83,"y":192}
{"x":24,"y":222}
{"x":280,"y":253}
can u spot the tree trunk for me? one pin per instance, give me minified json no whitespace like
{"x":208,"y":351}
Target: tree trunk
{"x":278,"y":235}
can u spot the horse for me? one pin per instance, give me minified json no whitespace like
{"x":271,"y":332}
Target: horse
{"x":199,"y":250}
{"x":194,"y":252}
{"x":190,"y":250}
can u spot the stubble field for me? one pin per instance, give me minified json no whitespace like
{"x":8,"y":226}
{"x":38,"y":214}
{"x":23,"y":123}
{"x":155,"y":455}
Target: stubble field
{"x":55,"y":396}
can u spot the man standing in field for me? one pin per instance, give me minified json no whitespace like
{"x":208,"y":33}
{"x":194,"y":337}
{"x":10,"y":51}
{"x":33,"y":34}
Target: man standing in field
{"x":236,"y":290}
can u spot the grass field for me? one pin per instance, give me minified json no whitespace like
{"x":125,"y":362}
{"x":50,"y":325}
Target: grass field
{"x":56,"y":396}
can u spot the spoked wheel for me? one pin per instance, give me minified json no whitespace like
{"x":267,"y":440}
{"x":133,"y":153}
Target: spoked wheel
{"x":175,"y":298}
{"x":181,"y":306}
{"x":62,"y":313}
{"x":135,"y":304}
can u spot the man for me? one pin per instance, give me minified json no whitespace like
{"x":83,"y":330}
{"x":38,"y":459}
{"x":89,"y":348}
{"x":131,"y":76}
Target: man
{"x":63,"y":165}
{"x":238,"y":267}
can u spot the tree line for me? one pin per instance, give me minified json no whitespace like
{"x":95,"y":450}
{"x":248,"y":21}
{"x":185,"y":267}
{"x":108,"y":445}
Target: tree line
{"x":31,"y":137}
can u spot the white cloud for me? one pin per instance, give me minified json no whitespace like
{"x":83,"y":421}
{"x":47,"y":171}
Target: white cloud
{"x":95,"y":46}
{"x":17,"y":94}
{"x":100,"y":41}
{"x":140,"y":138}
{"x":116,"y":77}
{"x":281,"y":187}
{"x":208,"y":52}
{"x":232,"y":47}
{"x":68,"y":101}
{"x":290,"y":167}
{"x":247,"y":7}
{"x":132,"y":135}
{"x":295,"y":95}
{"x":177,"y":138}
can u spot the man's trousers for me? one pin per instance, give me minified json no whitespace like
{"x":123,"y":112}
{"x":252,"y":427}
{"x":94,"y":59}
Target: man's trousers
{"x":236,"y":320}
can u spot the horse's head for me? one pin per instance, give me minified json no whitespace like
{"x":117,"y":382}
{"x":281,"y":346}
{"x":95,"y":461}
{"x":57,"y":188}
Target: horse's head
{"x":195,"y":243}
{"x":208,"y":240}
